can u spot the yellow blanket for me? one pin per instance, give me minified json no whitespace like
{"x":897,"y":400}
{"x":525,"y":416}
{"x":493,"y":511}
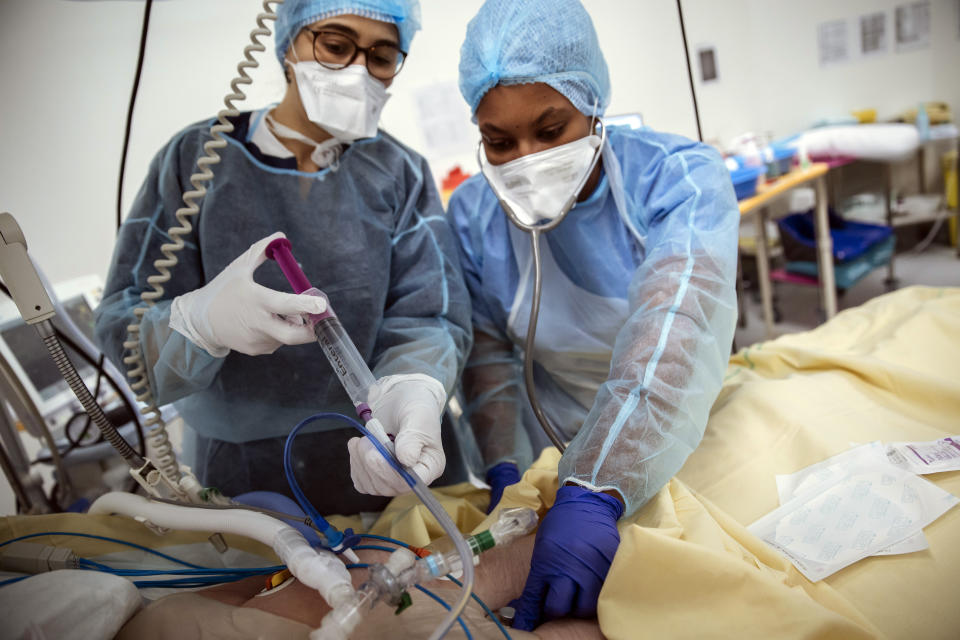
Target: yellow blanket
{"x":888,"y":370}
{"x":687,"y":567}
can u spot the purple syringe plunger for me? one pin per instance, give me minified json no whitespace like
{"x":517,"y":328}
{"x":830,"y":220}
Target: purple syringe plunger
{"x":280,"y":250}
{"x":342,"y":354}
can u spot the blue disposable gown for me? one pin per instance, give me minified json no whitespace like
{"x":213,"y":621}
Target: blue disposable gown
{"x":371,"y":234}
{"x":663,"y":270}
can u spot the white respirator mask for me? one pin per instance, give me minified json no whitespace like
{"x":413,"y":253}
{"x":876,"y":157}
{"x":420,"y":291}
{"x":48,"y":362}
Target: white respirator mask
{"x":543,"y":185}
{"x":347,"y":102}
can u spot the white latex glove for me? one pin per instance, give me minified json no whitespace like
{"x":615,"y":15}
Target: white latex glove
{"x":234,"y":312}
{"x":408,"y":407}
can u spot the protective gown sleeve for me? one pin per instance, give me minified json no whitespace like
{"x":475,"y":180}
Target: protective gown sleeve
{"x":492,"y":387}
{"x":175,"y":366}
{"x":426,"y":321}
{"x":669,"y":357}
{"x":492,"y":379}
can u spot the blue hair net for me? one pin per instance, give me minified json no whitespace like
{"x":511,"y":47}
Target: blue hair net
{"x":549,"y":41}
{"x":293,"y":15}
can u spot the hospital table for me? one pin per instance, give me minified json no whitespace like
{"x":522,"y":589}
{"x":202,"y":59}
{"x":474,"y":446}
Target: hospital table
{"x":758,"y":205}
{"x":885,"y":169}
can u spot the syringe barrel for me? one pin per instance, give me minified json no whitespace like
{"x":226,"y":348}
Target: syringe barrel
{"x":346,"y":361}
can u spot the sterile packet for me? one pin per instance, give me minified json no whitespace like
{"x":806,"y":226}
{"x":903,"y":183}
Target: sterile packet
{"x":833,"y":469}
{"x":866,"y":506}
{"x":935,"y":456}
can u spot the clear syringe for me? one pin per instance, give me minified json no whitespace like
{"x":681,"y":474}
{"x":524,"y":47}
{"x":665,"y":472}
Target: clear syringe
{"x":346,"y":361}
{"x":357,"y":379}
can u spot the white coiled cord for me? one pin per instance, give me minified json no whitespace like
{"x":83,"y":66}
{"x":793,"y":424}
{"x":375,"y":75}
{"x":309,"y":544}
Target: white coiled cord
{"x":165,"y":458}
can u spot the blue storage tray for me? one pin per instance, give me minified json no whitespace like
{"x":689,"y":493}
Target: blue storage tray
{"x":850,"y":239}
{"x":780,"y":163}
{"x":847,"y":274}
{"x":745,"y":181}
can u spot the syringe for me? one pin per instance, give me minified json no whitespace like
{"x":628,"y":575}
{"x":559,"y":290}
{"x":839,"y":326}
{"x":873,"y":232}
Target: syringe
{"x":357,"y":379}
{"x":346,"y":361}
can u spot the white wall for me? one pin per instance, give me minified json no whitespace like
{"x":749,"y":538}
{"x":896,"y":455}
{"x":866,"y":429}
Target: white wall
{"x":66,"y":69}
{"x":770,"y":77}
{"x":641,"y":42}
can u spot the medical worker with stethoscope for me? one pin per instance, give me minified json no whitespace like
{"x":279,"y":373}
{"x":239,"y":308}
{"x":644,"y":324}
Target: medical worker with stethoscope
{"x":637,"y":305}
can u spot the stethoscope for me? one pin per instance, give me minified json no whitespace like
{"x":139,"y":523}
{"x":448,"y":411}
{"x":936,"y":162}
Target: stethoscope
{"x":535,"y":229}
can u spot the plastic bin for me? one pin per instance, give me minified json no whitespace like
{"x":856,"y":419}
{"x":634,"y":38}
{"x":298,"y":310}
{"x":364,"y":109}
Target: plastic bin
{"x":850,"y":239}
{"x":745,"y":180}
{"x":858,"y":247}
{"x":778,"y":160}
{"x":847,"y":274}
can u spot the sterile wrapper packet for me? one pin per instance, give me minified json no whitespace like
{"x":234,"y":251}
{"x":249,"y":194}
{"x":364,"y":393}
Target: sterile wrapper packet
{"x":935,"y":456}
{"x":831,"y":524}
{"x":834,"y":468}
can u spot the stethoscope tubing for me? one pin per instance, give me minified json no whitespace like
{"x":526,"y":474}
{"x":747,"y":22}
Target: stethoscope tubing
{"x":553,"y":433}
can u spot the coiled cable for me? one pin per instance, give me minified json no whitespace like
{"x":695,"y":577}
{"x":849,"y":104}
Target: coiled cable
{"x":156,"y":428}
{"x":89,"y":403}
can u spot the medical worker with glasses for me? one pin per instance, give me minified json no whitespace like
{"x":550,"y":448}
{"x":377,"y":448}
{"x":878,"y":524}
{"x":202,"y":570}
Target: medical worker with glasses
{"x":637,"y":306}
{"x":226,"y":343}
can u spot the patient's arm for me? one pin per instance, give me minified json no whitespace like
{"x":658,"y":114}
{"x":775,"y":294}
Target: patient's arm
{"x":499,"y":578}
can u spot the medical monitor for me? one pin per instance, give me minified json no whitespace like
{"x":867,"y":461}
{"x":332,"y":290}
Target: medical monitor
{"x":22,"y":348}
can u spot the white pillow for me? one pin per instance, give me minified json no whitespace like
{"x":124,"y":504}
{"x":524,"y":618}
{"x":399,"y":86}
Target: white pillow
{"x":883,"y":142}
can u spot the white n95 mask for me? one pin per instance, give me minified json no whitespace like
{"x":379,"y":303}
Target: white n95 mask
{"x":346,"y":102}
{"x":538,"y":186}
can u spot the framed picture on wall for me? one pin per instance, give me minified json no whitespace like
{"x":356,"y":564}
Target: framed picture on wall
{"x":912,"y":26}
{"x":707,"y":57}
{"x":873,"y":34}
{"x":833,"y":45}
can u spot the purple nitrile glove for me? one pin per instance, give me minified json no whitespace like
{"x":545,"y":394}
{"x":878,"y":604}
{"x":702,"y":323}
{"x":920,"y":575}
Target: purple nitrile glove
{"x":575,"y":545}
{"x":499,"y":477}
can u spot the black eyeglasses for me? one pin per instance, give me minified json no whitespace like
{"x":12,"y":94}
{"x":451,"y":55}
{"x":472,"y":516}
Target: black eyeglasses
{"x":335,"y":50}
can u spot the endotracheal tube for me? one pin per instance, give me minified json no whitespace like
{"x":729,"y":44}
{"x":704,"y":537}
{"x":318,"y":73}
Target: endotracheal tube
{"x":389,"y":582}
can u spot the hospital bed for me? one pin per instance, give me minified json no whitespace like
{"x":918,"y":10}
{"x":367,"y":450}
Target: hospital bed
{"x":687,"y":566}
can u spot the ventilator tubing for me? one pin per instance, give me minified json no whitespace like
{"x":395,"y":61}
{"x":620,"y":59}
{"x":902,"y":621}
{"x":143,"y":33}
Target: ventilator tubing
{"x":388,"y":582}
{"x":317,"y":568}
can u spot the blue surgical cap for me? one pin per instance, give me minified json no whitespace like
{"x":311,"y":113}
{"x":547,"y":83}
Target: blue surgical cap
{"x":549,"y":41}
{"x":293,"y":15}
